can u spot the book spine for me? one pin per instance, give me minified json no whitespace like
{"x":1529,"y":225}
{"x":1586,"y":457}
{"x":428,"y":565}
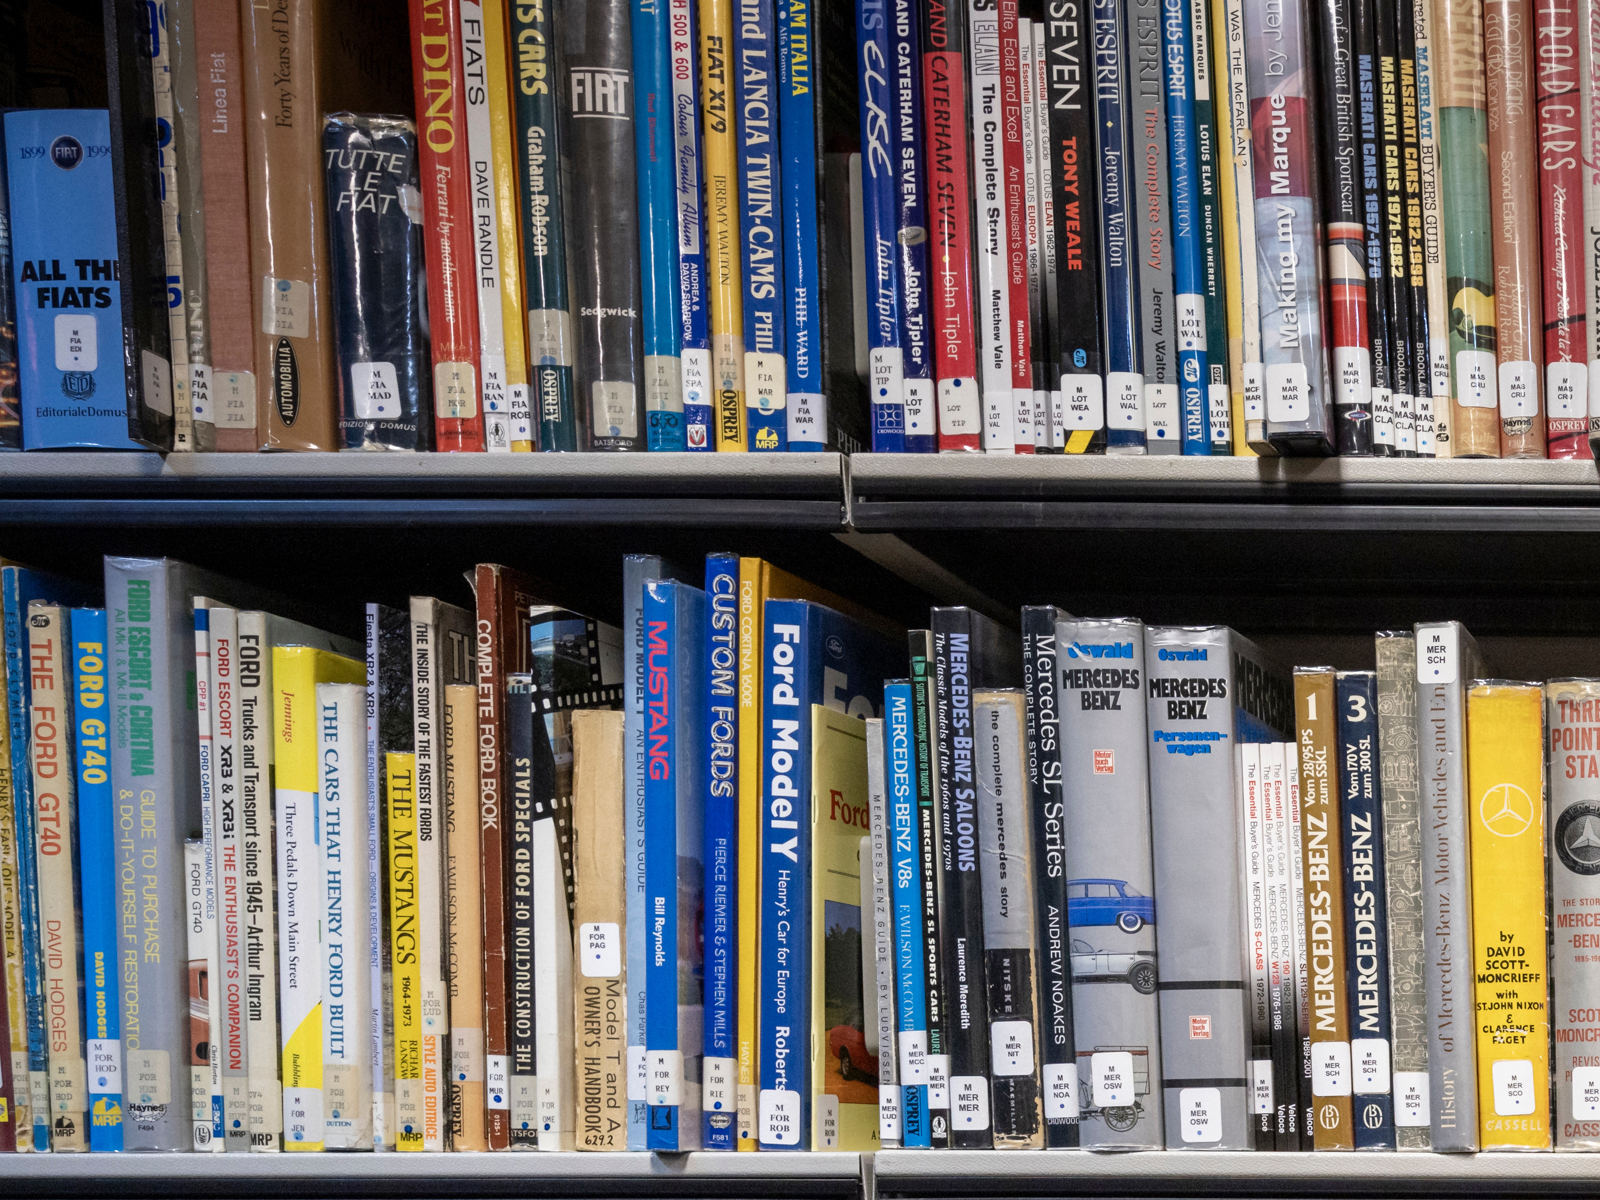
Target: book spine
{"x":1468,"y":239}
{"x":503,"y":166}
{"x":1366,"y":67}
{"x":693,"y":300}
{"x":1447,"y":900}
{"x":8,"y":1127}
{"x":97,"y":870}
{"x":259,"y":887}
{"x":723,"y":880}
{"x":1105,"y":793}
{"x":347,"y":1042}
{"x":1589,"y":145}
{"x":1511,"y":952}
{"x":1345,"y":212}
{"x":1033,"y":229}
{"x":229,"y":987}
{"x":498,"y":625}
{"x":1058,"y":1059}
{"x":1285,"y":1043}
{"x":50,"y":748}
{"x":207,"y":1058}
{"x":187,"y":130}
{"x":1188,"y":251}
{"x":1432,"y":216}
{"x":879,"y":206}
{"x":427,"y":700}
{"x":1239,"y":230}
{"x":992,"y":240}
{"x":1302,"y":973}
{"x":404,"y":947}
{"x":554,"y":1054}
{"x":1392,"y":224}
{"x":1514,"y":177}
{"x":961,"y":893}
{"x":761,"y":237}
{"x":1420,"y":331}
{"x":1005,"y":860}
{"x":1315,"y":708}
{"x":906,"y":874}
{"x":658,"y":224}
{"x":447,"y":195}
{"x":1572,"y":714}
{"x":1049,"y":354}
{"x":464,"y":919}
{"x":521,"y":1048}
{"x":1363,"y":865}
{"x":543,"y":225}
{"x":950,"y":191}
{"x":747,"y":918}
{"x":1559,"y":120}
{"x":162,"y":47}
{"x":1071,"y":205}
{"x":1258,"y":999}
{"x":885,"y":990}
{"x":1402,"y":846}
{"x":911,"y":231}
{"x":1210,"y":162}
{"x":1124,"y":361}
{"x":483,"y":223}
{"x":931,"y":888}
{"x":14,"y":1067}
{"x":723,"y":258}
{"x":1014,"y":198}
{"x":199,"y":1023}
{"x":799,"y":36}
{"x":783,"y":1119}
{"x":1152,"y":225}
{"x":227,"y":210}
{"x":381,"y":698}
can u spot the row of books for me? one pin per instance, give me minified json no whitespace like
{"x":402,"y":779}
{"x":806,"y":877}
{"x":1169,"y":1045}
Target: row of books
{"x":750,"y":872}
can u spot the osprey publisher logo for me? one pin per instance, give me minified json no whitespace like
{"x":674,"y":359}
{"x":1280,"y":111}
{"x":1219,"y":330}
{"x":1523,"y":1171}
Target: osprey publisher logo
{"x":1506,"y":810}
{"x":1578,"y":838}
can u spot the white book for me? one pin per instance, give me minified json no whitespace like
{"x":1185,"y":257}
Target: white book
{"x":497,"y":415}
{"x":988,"y":166}
{"x":554,"y":1050}
{"x":346,"y":950}
{"x":379,"y":1001}
{"x":1256,"y":944}
{"x":230,"y":1040}
{"x":1034,"y":198}
{"x":194,"y":854}
{"x":207,"y":1077}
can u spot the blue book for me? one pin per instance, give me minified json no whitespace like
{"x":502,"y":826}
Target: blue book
{"x":879,"y":216}
{"x":1188,"y":250}
{"x":97,"y":870}
{"x":64,"y":265}
{"x":809,"y":655}
{"x":1366,"y":927}
{"x":675,"y":682}
{"x":761,"y":234}
{"x":694,"y":306}
{"x":721,"y":739}
{"x":19,"y":586}
{"x":905,"y":874}
{"x":911,"y":233}
{"x":1124,"y":349}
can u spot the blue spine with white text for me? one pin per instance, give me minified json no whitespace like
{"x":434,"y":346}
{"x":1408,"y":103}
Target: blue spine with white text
{"x":766,"y":378}
{"x":97,"y":863}
{"x":1188,"y":266}
{"x":879,"y":204}
{"x":911,"y":232}
{"x":722,"y":880}
{"x":674,"y":619}
{"x":1365,"y":911}
{"x":694,"y":304}
{"x":809,"y":655}
{"x":905,"y":872}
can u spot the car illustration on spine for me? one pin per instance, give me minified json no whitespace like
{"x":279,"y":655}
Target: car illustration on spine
{"x":1108,"y":902}
{"x":1137,"y":968}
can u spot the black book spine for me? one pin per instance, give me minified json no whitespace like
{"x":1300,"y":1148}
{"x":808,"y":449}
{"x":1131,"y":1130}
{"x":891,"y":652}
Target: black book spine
{"x":1042,"y":746}
{"x":961,"y":920}
{"x":1396,"y":272}
{"x":1378,"y":330}
{"x":141,"y":251}
{"x":922,"y":700}
{"x":1416,"y":249}
{"x":520,"y":744}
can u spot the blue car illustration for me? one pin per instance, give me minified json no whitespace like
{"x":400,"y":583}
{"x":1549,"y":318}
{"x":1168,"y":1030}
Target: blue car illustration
{"x":1108,"y":902}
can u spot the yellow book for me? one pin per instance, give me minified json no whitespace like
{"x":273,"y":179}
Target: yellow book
{"x":844,"y":1077}
{"x":296,"y":671}
{"x":720,"y":153}
{"x":1505,"y":774}
{"x":404,"y":952}
{"x":464,"y":918}
{"x":503,"y":171}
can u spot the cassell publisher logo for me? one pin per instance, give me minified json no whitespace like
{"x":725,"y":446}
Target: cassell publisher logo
{"x":285,"y":381}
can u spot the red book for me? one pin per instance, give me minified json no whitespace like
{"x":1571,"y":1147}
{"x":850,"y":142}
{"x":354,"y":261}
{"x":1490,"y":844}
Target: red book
{"x":944,"y":92}
{"x":1016,"y":198}
{"x":447,"y":214}
{"x":1560,"y":124}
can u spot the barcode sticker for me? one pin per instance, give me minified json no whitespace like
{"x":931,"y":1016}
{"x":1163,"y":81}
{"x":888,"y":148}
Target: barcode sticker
{"x":600,"y":950}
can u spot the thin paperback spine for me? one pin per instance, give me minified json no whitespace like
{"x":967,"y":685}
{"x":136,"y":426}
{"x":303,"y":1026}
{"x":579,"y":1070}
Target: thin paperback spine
{"x":930,"y":884}
{"x":906,"y":872}
{"x":522,"y":1101}
{"x":1281,"y":941}
{"x":1049,"y":298}
{"x":1033,"y":230}
{"x":1427,"y":48}
{"x":911,"y":232}
{"x":207,"y":1099}
{"x":1247,"y":401}
{"x":723,"y":241}
{"x":1152,"y":226}
{"x":1392,"y":225}
{"x":1420,"y":331}
{"x":199,"y":1027}
{"x":990,"y":249}
{"x":1302,"y":970}
{"x":1379,"y":332}
{"x":503,"y":165}
{"x":694,"y":304}
{"x":1258,"y":950}
{"x":171,"y":224}
{"x":721,"y":854}
{"x":884,"y":990}
{"x":1211,"y":164}
{"x":1188,"y":251}
{"x":1014,"y":193}
{"x":879,"y":208}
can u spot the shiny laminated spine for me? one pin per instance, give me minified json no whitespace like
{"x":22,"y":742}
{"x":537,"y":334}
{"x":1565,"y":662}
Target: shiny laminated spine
{"x":1238,"y":227}
{"x":992,"y":300}
{"x":1212,"y":164}
{"x":1014,"y":189}
{"x":1188,"y":262}
{"x":1151,"y":223}
{"x":911,"y":230}
{"x":1421,"y":329}
{"x":688,"y":179}
{"x":1432,"y":215}
{"x":503,"y":165}
{"x":879,"y":207}
{"x":724,"y":282}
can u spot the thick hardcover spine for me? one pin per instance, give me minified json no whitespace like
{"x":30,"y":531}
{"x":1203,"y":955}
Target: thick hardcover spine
{"x":885,"y":992}
{"x":992,"y":242}
{"x":446,"y":163}
{"x":1152,"y":225}
{"x":911,"y":231}
{"x":906,"y":872}
{"x":693,"y":309}
{"x":522,"y":1059}
{"x":464,"y":905}
{"x":723,"y":241}
{"x":931,"y":883}
{"x":755,"y":54}
{"x":879,"y":207}
{"x":950,"y":190}
{"x":656,"y":151}
{"x":721,"y":854}
{"x":1188,"y":250}
{"x":1510,"y":913}
{"x":404,"y":945}
{"x":559,"y":417}
{"x":1366,"y":933}
{"x":1014,"y":199}
{"x":1403,"y":882}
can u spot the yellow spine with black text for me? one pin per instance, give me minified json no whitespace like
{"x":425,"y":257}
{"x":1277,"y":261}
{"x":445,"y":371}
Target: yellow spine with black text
{"x":1511,"y":965}
{"x":508,"y":222}
{"x":401,"y":801}
{"x":720,"y":154}
{"x":296,"y":671}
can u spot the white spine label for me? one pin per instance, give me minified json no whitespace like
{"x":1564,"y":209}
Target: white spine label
{"x":1585,"y":1092}
{"x":914,"y":1057}
{"x":1083,"y":402}
{"x":600,"y":950}
{"x":1411,"y":1100}
{"x":1255,"y":391}
{"x":1513,"y":1087}
{"x":889,"y":1113}
{"x":1352,"y":374}
{"x":1011,"y":1047}
{"x":105,"y":1065}
{"x":1288,"y":393}
{"x":1200,"y":1110}
{"x":1566,"y":393}
{"x":1369,"y":1066}
{"x":969,"y":1102}
{"x":1125,"y":400}
{"x":1475,"y":375}
{"x":1060,"y":1091}
{"x":375,"y":390}
{"x":496,"y":1078}
{"x":1161,"y":413}
{"x":638,"y":1074}
{"x":938,"y":1081}
{"x":1437,"y":654}
{"x":77,"y":343}
{"x":1330,"y":1068}
{"x":1261,"y":1086}
{"x":958,"y":407}
{"x":665,"y":1078}
{"x":1519,"y":389}
{"x":780,"y":1117}
{"x":918,"y":395}
{"x":721,"y":1076}
{"x":825,"y":1113}
{"x":1111,"y":1072}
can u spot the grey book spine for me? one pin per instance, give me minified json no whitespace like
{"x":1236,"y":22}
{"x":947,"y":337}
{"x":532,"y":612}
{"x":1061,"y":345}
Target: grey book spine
{"x":1445,"y":664}
{"x":1005,"y":862}
{"x":885,"y":988}
{"x":1110,"y":881}
{"x":1208,"y":688}
{"x":1152,"y":229}
{"x":1572,"y":716}
{"x":1402,"y":836}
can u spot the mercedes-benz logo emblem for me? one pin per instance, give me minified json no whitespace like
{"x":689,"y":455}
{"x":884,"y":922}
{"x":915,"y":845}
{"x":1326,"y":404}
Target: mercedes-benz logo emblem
{"x":1506,"y":810}
{"x":1578,"y":838}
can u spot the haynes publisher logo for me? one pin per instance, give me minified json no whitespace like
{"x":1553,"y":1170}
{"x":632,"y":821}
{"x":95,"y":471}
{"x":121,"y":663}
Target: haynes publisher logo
{"x":1112,"y":650}
{"x":1165,"y":655}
